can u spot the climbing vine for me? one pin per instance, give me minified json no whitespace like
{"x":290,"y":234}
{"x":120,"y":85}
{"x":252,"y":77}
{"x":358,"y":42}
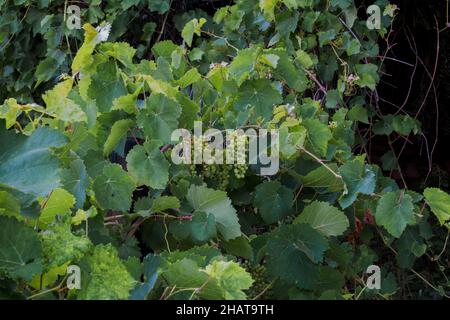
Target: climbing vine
{"x":87,"y":178}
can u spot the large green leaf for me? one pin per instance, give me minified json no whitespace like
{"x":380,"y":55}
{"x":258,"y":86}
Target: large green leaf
{"x":268,"y":7}
{"x":395,"y":210}
{"x":273,"y":200}
{"x":159,"y":118}
{"x":160,"y":6}
{"x":105,"y":276}
{"x":114,"y":188}
{"x":27,"y":163}
{"x":192,"y":27}
{"x":165,"y":202}
{"x":258,"y":94}
{"x":218,"y":280}
{"x":291,"y":142}
{"x":243,"y":64}
{"x":58,"y":103}
{"x":119,"y":130}
{"x":318,"y":135}
{"x":75,"y":180}
{"x":9,"y":205}
{"x":323,"y":178}
{"x":19,"y":249}
{"x":368,"y":75}
{"x":106,"y":85}
{"x":83,"y":58}
{"x":58,"y":203}
{"x":60,"y":245}
{"x":324,"y":218}
{"x":148,"y":165}
{"x":287,"y":71}
{"x":186,"y":273}
{"x":203,"y":227}
{"x":121,"y":51}
{"x":293,"y":251}
{"x":439,"y":202}
{"x":358,"y":178}
{"x":189,"y":78}
{"x":231,"y":278}
{"x":215,"y":202}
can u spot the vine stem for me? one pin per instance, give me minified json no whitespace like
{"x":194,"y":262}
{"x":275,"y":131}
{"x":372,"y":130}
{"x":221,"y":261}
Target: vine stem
{"x":320,"y":161}
{"x":314,"y":78}
{"x":198,"y":290}
{"x":163,"y":24}
{"x":58,"y":287}
{"x":166,"y":233}
{"x":222,"y":38}
{"x":445,"y":246}
{"x":264,"y":290}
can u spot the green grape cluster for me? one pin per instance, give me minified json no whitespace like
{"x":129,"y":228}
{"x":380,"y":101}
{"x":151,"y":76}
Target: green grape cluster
{"x":219,"y":173}
{"x":261,"y":285}
{"x":240,"y":168}
{"x":193,"y":169}
{"x":223,"y":177}
{"x":209,"y":171}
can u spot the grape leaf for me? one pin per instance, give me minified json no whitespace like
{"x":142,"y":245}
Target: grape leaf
{"x":203,"y":227}
{"x":164,"y":202}
{"x":439,"y":202}
{"x":189,"y":78}
{"x":151,"y":264}
{"x":114,"y":188}
{"x":106,"y":277}
{"x":9,"y":205}
{"x":293,"y":251}
{"x":106,"y":86}
{"x":358,"y":178}
{"x":290,"y":142}
{"x":193,"y":26}
{"x":9,"y":111}
{"x":273,"y":200}
{"x":27,"y":163}
{"x":59,"y":202}
{"x":60,"y":245}
{"x":58,"y":103}
{"x":395,"y":210}
{"x":160,"y":6}
{"x":318,"y":135}
{"x":121,"y":51}
{"x":323,"y":178}
{"x":75,"y":180}
{"x":215,"y":202}
{"x":368,"y":75}
{"x":83,"y":57}
{"x":231,"y":277}
{"x":159,"y":118}
{"x":324,"y":218}
{"x":268,"y":7}
{"x":148,"y":165}
{"x":20,"y":249}
{"x":287,"y":71}
{"x":243,"y":64}
{"x":259,"y":94}
{"x":118,"y":131}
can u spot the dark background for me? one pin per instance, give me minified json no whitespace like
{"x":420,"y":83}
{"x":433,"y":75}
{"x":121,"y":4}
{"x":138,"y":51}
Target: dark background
{"x":425,"y":159}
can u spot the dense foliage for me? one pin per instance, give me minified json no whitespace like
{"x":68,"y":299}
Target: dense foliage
{"x":86,"y":177}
